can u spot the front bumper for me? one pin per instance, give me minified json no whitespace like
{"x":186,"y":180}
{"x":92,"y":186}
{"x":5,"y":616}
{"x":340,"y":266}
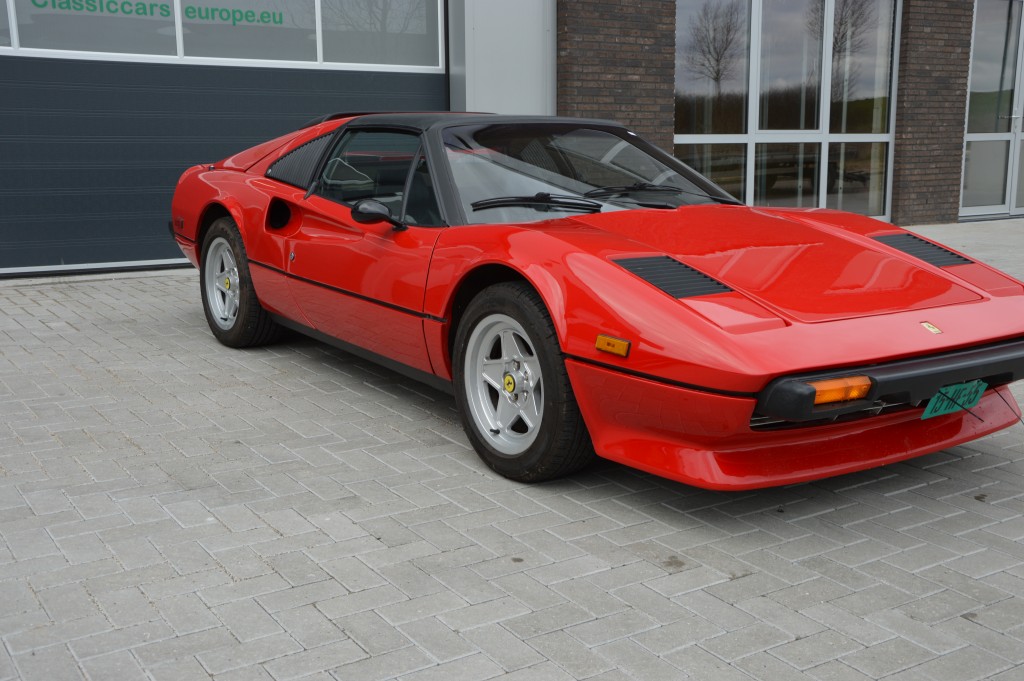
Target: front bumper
{"x":911,"y":381}
{"x":705,"y":439}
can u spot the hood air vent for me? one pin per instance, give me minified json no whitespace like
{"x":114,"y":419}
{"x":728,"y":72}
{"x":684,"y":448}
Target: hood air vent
{"x":673,"y":277}
{"x":922,"y":250}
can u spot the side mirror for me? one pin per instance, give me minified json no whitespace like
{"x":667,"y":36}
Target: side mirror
{"x":371,"y":211}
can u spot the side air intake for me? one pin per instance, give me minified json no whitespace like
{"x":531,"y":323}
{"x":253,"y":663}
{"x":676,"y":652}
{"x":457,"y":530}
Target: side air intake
{"x":922,"y":250}
{"x":673,"y":277}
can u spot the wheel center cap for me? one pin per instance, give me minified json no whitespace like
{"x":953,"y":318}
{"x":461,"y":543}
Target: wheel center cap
{"x":510,"y":383}
{"x":227,"y":283}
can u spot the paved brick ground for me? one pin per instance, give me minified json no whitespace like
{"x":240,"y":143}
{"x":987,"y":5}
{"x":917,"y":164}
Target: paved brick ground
{"x":171,"y":509}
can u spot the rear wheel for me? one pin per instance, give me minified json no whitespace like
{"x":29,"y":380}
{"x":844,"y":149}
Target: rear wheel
{"x":513,"y":392}
{"x":232,"y":309}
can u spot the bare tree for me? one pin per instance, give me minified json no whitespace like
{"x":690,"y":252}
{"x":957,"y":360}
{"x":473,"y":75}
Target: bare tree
{"x":853,"y":19}
{"x":716,"y":42}
{"x":377,"y":16}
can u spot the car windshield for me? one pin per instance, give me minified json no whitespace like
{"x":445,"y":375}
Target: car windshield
{"x":535,"y":171}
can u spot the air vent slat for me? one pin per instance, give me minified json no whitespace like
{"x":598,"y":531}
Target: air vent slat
{"x":298,"y":165}
{"x":922,"y":250}
{"x":673,"y":277}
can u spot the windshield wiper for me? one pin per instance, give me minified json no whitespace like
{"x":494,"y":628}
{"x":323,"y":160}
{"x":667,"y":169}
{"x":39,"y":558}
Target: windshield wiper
{"x":614,"y":190}
{"x":618,"y":190}
{"x":540,"y":200}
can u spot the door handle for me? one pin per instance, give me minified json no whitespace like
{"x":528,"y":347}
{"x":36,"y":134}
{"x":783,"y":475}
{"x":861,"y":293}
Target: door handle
{"x":1010,"y":118}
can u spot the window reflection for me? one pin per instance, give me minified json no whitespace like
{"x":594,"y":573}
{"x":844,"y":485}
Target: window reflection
{"x":786,"y":175}
{"x":381,"y":31}
{"x":70,"y":26}
{"x":725,"y":164}
{"x":862,"y":65}
{"x":711,"y":66}
{"x":791,"y":64}
{"x":993,"y":66}
{"x":251,"y":29}
{"x":857,"y":178}
{"x":5,"y":28}
{"x":985,"y":165}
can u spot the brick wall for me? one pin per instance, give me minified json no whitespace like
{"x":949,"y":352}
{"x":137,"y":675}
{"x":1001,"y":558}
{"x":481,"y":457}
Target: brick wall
{"x":616,"y":59}
{"x":935,"y":52}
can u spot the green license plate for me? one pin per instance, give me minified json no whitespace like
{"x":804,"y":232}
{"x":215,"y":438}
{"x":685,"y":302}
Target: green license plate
{"x":954,"y":398}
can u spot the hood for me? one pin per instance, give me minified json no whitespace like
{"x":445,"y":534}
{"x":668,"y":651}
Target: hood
{"x":802,"y":270}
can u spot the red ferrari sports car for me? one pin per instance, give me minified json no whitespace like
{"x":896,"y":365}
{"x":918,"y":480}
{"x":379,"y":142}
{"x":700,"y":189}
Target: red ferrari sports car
{"x":581,"y":292}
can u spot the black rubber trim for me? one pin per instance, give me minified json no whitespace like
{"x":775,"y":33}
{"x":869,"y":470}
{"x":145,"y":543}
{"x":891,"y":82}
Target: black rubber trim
{"x":671,"y":276}
{"x":351,"y":294}
{"x":424,"y":377}
{"x":659,"y":379}
{"x":913,"y":245}
{"x":906,"y":381}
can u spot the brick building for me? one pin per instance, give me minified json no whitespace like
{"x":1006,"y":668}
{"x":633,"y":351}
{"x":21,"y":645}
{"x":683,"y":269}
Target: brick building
{"x":903,"y":122}
{"x":907,"y":110}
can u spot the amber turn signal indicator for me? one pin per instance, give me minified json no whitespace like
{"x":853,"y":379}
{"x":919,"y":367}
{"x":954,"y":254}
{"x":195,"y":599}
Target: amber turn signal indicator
{"x":612,"y":345}
{"x":844,"y":389}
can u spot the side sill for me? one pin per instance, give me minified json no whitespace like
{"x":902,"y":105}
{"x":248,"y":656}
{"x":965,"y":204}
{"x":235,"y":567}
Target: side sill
{"x":419,"y":375}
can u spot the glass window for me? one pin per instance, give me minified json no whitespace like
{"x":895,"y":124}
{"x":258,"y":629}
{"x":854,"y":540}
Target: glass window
{"x":381,"y":32}
{"x":726,"y":164}
{"x":370,"y":164}
{"x":124,"y":26}
{"x":856,"y":177}
{"x":5,"y":27}
{"x":786,"y":175}
{"x":250,"y":29}
{"x":712,"y":65}
{"x":862,"y":65}
{"x":993,"y":66}
{"x":791,"y":64}
{"x":985,"y":165}
{"x":504,"y":172}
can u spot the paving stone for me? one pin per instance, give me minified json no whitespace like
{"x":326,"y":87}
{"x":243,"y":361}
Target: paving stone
{"x":385,"y":666}
{"x":247,"y":620}
{"x":249,"y":653}
{"x":637,"y":662}
{"x":56,"y":663}
{"x":697,"y":663}
{"x":307,"y":662}
{"x":372,"y":632}
{"x":888,"y":657}
{"x":467,"y":668}
{"x":433,"y":637}
{"x":118,"y":640}
{"x":815,"y":649}
{"x":169,"y":503}
{"x":966,"y":664}
{"x":120,"y":665}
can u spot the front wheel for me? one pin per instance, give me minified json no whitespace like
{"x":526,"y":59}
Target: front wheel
{"x":232,"y":309}
{"x":513,"y":392}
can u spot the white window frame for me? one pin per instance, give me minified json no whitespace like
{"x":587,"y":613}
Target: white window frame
{"x":821,"y":136}
{"x":181,"y":58}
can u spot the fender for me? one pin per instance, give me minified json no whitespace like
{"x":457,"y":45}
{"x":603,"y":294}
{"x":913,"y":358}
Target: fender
{"x":586,"y":294}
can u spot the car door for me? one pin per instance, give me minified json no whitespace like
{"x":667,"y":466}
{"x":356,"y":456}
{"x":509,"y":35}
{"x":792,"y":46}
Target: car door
{"x":364,"y":283}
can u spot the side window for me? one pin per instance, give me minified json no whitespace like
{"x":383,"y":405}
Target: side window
{"x":370,"y":164}
{"x":297,"y":166}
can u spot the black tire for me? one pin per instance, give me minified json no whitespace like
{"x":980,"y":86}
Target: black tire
{"x":506,"y":315}
{"x":232,"y":309}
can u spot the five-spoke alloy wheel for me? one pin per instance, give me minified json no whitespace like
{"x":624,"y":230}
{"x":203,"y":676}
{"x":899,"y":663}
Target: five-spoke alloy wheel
{"x":232,"y":309}
{"x":512,"y":389}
